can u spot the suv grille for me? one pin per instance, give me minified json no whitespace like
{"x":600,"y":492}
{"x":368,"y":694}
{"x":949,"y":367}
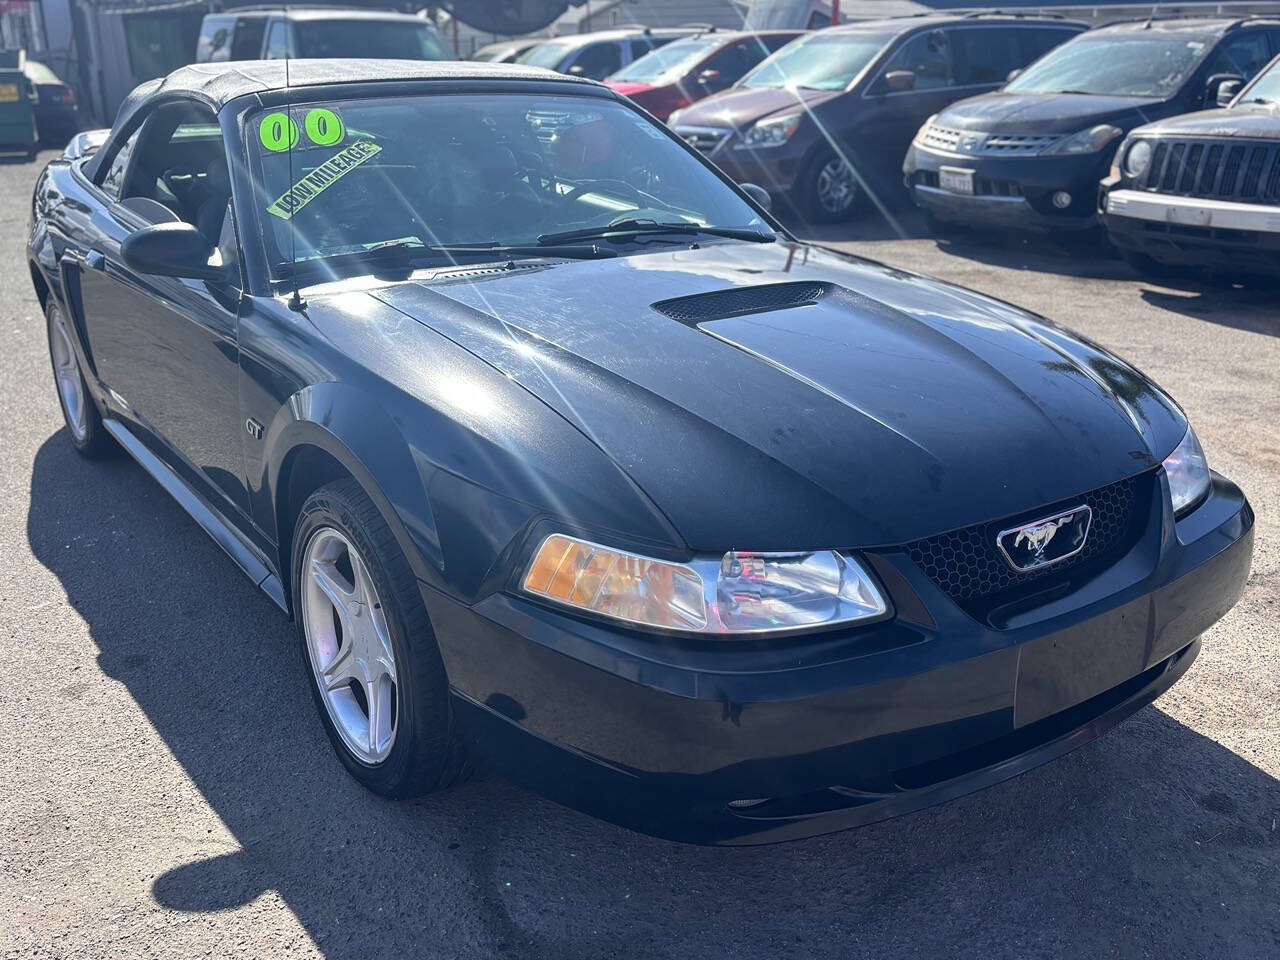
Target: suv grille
{"x":985,"y":144}
{"x":702,"y":139}
{"x":1247,"y":172}
{"x":967,"y":566}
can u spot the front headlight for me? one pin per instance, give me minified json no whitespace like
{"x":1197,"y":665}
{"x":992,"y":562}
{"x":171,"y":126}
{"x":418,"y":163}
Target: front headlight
{"x":740,"y":593}
{"x":1086,"y":141}
{"x":1188,"y":473}
{"x":773,"y":132}
{"x":1137,"y":158}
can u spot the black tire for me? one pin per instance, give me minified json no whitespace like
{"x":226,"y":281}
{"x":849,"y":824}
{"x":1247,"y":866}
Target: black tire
{"x":94,"y":442}
{"x":1151,"y":268}
{"x":425,"y":754}
{"x":809,"y":191}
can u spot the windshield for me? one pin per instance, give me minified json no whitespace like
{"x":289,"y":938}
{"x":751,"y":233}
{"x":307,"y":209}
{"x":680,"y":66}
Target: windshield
{"x":377,"y":39}
{"x":477,"y":170}
{"x":545,"y":55}
{"x":667,"y":63}
{"x":1121,"y":65}
{"x":1267,"y":87}
{"x":818,"y":62}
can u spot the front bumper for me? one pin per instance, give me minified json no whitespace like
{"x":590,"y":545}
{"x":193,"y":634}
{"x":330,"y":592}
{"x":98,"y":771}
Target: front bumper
{"x":1010,"y":191}
{"x":752,"y":742}
{"x":1189,"y":231}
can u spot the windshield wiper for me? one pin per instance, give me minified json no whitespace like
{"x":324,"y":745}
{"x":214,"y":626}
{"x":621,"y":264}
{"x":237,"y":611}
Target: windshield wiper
{"x":636,"y":227}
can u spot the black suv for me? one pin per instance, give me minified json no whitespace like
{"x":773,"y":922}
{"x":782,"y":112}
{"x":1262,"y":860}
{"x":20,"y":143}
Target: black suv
{"x":1032,"y":154}
{"x":1201,"y":190}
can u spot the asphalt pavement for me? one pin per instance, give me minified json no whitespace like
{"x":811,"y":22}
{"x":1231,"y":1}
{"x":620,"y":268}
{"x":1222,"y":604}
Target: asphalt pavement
{"x":166,"y":790}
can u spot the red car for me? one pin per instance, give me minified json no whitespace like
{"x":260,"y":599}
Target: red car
{"x":676,"y":75}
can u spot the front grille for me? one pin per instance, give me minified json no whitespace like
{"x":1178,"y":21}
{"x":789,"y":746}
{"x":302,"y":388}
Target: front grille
{"x":702,"y":139}
{"x":967,"y":566}
{"x":984,"y":144}
{"x":1244,"y":172}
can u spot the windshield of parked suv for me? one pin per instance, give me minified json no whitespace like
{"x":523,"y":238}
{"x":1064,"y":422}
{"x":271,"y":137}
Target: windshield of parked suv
{"x":545,"y":55}
{"x":475,"y":170}
{"x":820,"y":61}
{"x":1266,"y":89}
{"x":667,"y":63}
{"x":378,"y":39}
{"x":1121,"y":65}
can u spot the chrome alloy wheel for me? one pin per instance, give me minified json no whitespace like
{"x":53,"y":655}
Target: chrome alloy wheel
{"x":836,"y":186}
{"x":66,"y":373}
{"x":349,"y":645}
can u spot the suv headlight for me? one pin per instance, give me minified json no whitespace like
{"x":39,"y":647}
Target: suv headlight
{"x":1137,"y":158}
{"x":773,"y":132}
{"x":740,"y":593}
{"x":1188,"y":474}
{"x":1085,"y":141}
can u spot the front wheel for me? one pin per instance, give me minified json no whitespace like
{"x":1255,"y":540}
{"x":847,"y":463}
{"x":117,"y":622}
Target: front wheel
{"x":368,"y":648}
{"x":829,"y":192}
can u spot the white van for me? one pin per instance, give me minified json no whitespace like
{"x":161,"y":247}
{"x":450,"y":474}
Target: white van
{"x":273,"y":33}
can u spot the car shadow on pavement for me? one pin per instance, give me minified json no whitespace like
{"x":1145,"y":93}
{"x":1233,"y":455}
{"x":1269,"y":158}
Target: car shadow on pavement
{"x":1153,"y":836}
{"x":1248,"y":305}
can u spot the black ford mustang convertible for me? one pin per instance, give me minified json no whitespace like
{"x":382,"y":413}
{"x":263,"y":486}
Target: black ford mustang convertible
{"x":569,"y":461}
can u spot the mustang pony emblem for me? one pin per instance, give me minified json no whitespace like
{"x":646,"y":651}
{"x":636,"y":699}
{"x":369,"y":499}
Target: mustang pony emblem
{"x":1042,"y":542}
{"x":1038,"y":537}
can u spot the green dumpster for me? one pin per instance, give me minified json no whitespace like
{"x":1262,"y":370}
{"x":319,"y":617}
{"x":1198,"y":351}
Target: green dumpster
{"x":17,"y":104}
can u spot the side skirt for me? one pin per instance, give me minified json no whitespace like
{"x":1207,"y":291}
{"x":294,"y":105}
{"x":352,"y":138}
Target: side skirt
{"x":237,"y":547}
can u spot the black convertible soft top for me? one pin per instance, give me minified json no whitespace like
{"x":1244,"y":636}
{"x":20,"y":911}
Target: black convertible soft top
{"x":218,"y":83}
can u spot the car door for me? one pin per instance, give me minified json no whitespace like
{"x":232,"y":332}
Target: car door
{"x":1242,"y":54}
{"x":165,"y":347}
{"x":890,"y":118}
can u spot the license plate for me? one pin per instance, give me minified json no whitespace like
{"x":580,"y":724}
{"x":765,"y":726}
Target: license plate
{"x":8,"y":92}
{"x":1194,"y":216}
{"x":956,"y":180}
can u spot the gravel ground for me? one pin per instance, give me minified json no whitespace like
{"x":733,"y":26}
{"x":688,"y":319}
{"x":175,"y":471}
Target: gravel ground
{"x":165,"y":790}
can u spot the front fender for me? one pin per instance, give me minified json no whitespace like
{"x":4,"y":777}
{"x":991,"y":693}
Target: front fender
{"x":347,"y":425}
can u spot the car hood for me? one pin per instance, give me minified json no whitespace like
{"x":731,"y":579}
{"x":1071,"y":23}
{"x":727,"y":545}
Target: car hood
{"x":889,"y":408}
{"x":742,"y":106}
{"x":1248,"y":121}
{"x":628,"y":89}
{"x":1046,"y":113}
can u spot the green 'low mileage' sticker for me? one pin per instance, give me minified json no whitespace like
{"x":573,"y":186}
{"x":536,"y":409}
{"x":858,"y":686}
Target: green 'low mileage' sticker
{"x":321,"y":178}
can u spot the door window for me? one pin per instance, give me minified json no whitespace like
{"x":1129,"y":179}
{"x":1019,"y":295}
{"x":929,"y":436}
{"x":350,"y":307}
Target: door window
{"x":733,"y":62}
{"x":985,"y":55}
{"x":929,"y":56}
{"x":113,"y":179}
{"x":278,"y":41}
{"x":598,"y":61}
{"x":1243,"y":55}
{"x":247,"y":42}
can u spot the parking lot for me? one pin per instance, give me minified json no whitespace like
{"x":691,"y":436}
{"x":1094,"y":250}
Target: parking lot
{"x":166,"y":790}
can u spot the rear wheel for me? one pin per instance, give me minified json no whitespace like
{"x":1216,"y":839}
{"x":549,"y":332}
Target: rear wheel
{"x":84,"y":423}
{"x":368,"y":648}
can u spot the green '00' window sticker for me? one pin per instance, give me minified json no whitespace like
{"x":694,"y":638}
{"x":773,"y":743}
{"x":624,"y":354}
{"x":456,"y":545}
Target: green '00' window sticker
{"x":277,"y":131}
{"x":324,"y":127}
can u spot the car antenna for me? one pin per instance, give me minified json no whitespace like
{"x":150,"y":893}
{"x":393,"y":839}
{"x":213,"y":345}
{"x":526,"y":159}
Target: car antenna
{"x":296,"y":303}
{"x":1154,"y":10}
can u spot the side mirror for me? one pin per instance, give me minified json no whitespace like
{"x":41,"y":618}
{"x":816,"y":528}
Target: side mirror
{"x":1213,"y":86}
{"x":899,"y":81}
{"x":1013,"y":75}
{"x":708,"y":77}
{"x":757,"y":193}
{"x":1227,"y":91}
{"x":171,"y":250}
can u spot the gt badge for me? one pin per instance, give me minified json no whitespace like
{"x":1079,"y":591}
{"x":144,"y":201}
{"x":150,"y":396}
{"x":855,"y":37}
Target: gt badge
{"x":1046,"y":541}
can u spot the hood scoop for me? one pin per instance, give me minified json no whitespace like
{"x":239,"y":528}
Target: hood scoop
{"x":742,"y":301}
